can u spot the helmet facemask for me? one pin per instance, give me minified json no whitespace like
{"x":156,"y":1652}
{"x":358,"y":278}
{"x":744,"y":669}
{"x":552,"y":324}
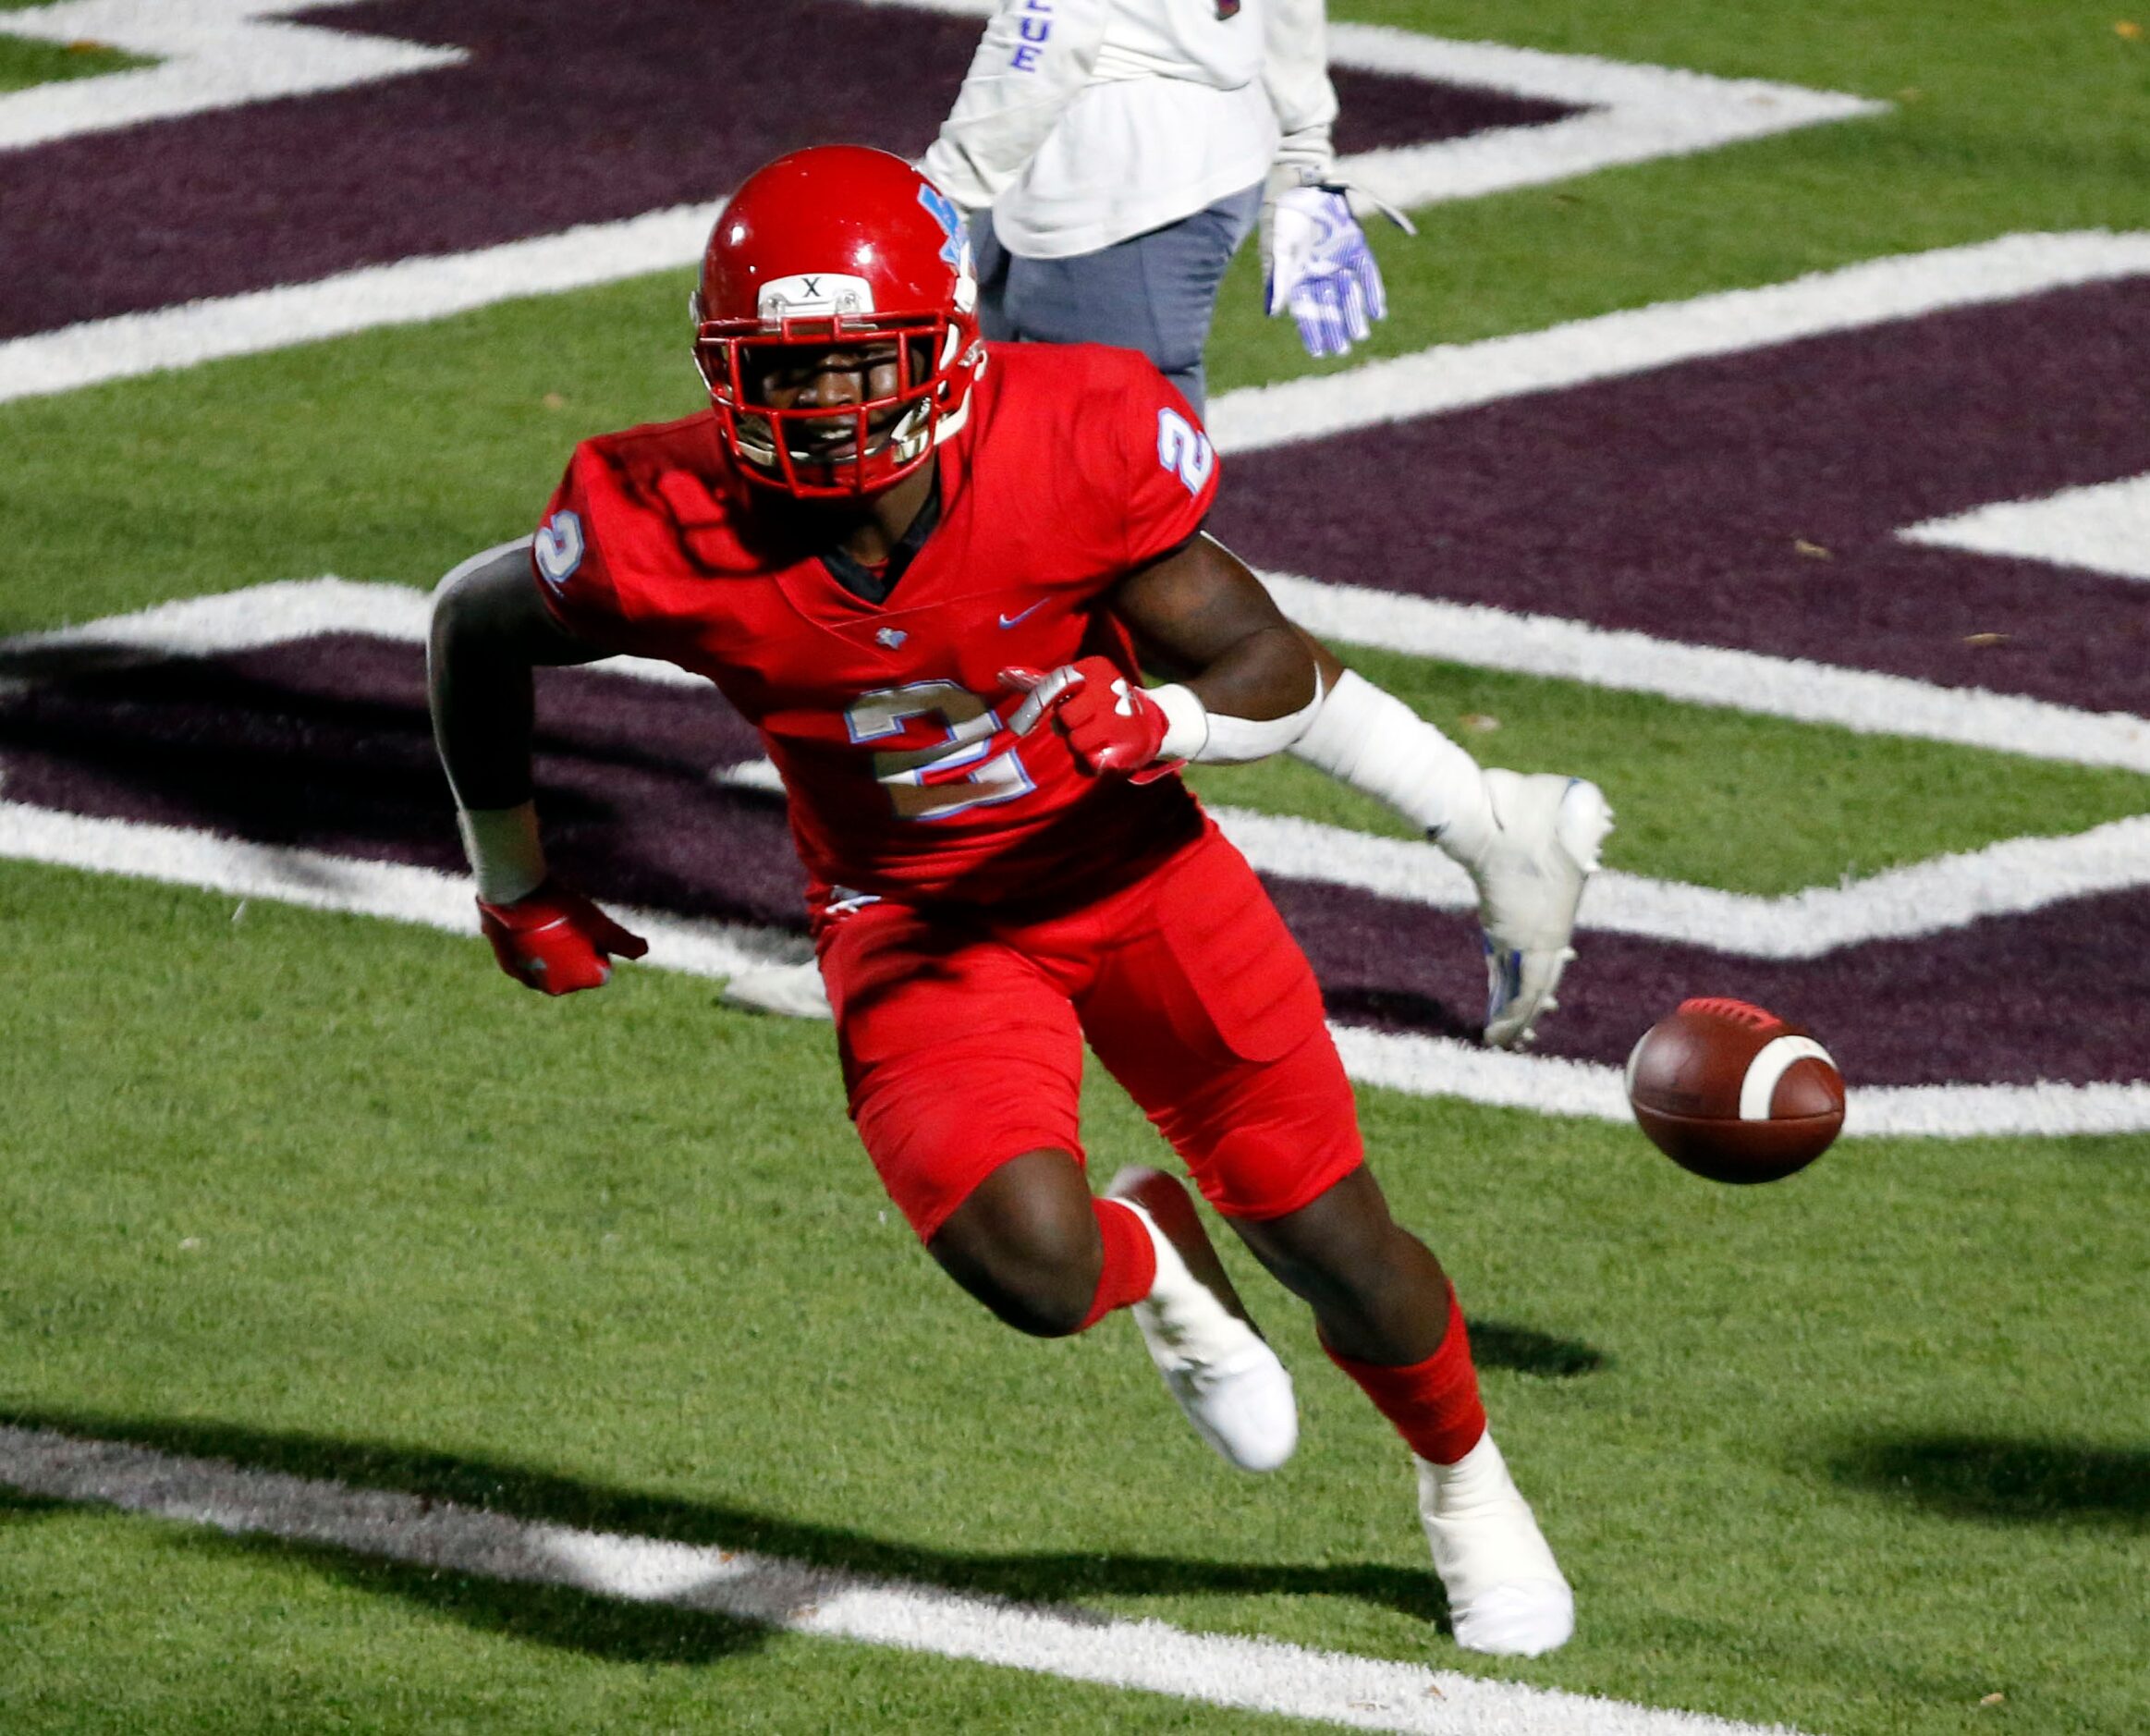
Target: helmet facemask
{"x":885,"y":436}
{"x":836,"y":248}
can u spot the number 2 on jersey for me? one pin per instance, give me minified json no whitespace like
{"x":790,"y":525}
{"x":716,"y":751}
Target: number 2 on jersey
{"x":1184,"y":448}
{"x":946,"y":776}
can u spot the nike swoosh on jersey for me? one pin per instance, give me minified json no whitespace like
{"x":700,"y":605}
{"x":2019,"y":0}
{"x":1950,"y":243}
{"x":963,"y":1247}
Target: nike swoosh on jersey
{"x":1010,"y":620}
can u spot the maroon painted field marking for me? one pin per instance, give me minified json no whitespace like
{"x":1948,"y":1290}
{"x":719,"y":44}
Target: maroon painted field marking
{"x":2062,"y":993}
{"x":1753,"y":501}
{"x":324,"y":743}
{"x":553,"y":121}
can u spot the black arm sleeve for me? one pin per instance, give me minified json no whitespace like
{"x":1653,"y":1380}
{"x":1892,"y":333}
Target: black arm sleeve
{"x":490,"y":628}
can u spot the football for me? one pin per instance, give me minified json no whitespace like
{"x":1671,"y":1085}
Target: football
{"x":1733,"y":1092}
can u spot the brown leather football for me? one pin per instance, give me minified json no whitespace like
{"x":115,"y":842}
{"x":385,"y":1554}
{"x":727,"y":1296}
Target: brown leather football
{"x":1734,"y":1093}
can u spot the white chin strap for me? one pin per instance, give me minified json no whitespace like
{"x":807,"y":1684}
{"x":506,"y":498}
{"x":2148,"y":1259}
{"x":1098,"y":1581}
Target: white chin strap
{"x":910,"y":437}
{"x":761,"y":452}
{"x":952,"y":420}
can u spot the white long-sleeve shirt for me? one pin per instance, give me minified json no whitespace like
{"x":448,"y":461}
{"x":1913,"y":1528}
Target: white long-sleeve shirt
{"x":1083,"y":122}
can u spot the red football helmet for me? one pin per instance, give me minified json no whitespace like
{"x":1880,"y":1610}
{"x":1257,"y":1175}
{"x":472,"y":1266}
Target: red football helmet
{"x":838,"y":246}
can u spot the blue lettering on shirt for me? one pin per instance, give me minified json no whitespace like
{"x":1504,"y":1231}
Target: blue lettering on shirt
{"x":1184,"y":449}
{"x":1037,"y":30}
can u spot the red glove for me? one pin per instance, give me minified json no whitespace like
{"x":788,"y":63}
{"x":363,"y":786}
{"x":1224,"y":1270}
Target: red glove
{"x":556,"y":940}
{"x":1114,"y":727}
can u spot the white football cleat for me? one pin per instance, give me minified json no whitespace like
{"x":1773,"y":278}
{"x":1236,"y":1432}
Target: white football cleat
{"x":1530,"y":880}
{"x":795,"y":991}
{"x":1505,"y":1593}
{"x":1217,"y":1367}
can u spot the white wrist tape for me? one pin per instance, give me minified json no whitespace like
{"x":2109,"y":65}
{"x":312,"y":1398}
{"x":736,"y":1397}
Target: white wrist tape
{"x":1194,"y":732}
{"x":1377,"y":744}
{"x":1186,"y":722}
{"x":505,"y":856}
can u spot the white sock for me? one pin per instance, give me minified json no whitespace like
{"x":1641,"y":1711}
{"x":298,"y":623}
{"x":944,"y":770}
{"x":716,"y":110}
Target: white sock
{"x":1478,"y":1476}
{"x":1175,"y":1291}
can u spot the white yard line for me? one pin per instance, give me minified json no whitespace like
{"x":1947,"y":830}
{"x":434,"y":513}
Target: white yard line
{"x":1248,"y":1675}
{"x":1442,"y":1067}
{"x":409,"y":292}
{"x":181,"y":856}
{"x":220,"y":55}
{"x":245,"y":619}
{"x":1861,"y":700}
{"x":2008,"y":878}
{"x":1458,"y":376}
{"x":284,"y":609}
{"x":1467,"y":633}
{"x":1633,"y":113}
{"x":1427,"y":1067}
{"x":211,"y":54}
{"x":2104,"y":527}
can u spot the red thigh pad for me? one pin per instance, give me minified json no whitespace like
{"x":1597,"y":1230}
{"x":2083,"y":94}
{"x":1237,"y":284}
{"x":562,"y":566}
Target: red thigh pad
{"x":1210,"y":1016}
{"x":958,"y":1054}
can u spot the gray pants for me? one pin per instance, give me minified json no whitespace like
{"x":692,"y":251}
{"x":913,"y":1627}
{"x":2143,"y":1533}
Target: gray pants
{"x":1154,"y":292}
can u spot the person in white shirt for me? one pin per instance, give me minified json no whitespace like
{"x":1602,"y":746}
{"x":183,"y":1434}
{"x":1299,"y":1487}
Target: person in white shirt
{"x":1111,"y":156}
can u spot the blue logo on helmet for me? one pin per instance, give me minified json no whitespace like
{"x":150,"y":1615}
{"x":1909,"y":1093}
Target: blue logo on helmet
{"x":949,"y":217}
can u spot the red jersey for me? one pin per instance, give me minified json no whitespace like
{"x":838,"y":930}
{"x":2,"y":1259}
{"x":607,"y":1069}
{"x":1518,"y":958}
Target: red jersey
{"x":1077,"y":465}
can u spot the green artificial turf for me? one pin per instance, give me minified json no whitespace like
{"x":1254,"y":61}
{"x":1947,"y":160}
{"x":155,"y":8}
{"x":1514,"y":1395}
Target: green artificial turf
{"x":1858,"y":1452}
{"x":25,"y":61}
{"x":391,"y":454}
{"x":1844,"y":1451}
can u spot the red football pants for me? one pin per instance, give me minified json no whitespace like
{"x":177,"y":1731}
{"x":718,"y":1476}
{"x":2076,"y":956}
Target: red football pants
{"x":961,"y":1031}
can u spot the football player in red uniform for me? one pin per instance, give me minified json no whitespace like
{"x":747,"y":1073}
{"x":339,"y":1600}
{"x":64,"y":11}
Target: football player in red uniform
{"x":922,"y":567}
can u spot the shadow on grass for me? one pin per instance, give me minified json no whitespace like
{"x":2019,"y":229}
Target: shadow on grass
{"x":15,"y":1505}
{"x":555,"y":1615}
{"x":650,"y":1633}
{"x":1526,"y":1351}
{"x":1988,"y":1477}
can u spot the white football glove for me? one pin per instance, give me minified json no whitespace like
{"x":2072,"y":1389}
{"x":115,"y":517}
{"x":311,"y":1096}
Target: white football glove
{"x":1317,"y":264}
